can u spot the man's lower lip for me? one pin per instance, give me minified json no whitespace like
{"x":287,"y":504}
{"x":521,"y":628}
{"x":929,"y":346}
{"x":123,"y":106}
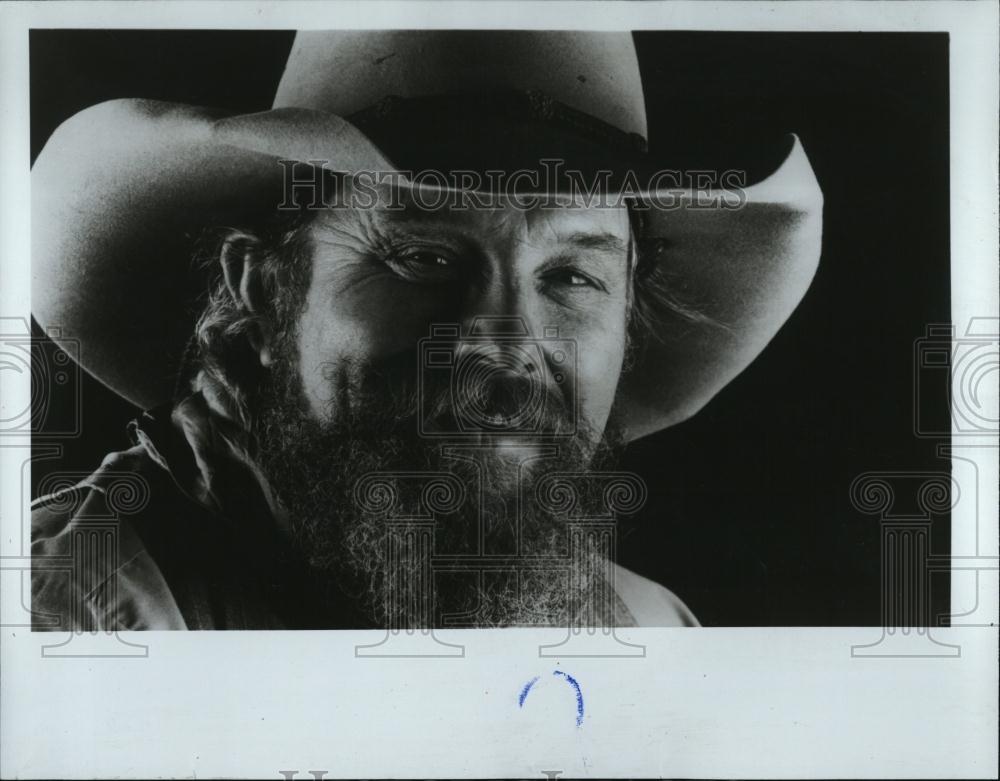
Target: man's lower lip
{"x":500,"y":421}
{"x":506,"y":442}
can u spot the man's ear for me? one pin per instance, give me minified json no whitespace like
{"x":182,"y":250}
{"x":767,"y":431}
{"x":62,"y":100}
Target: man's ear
{"x":241,"y":268}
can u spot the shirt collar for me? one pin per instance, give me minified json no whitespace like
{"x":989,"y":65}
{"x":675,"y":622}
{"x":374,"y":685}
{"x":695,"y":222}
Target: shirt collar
{"x":210,"y":458}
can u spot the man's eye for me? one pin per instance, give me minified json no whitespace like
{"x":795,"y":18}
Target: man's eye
{"x":574,"y":279}
{"x":424,"y":266}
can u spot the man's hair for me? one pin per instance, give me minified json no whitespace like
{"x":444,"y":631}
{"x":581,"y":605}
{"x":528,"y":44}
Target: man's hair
{"x":283,"y":255}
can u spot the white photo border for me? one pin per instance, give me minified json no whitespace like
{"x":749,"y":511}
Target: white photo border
{"x":754,"y":702}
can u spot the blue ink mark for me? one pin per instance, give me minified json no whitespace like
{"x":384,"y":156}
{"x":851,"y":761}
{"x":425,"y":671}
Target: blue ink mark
{"x":579,"y":694}
{"x":525,"y":690}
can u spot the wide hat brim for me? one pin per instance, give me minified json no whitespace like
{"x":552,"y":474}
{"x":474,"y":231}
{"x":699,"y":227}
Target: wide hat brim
{"x":123,"y":190}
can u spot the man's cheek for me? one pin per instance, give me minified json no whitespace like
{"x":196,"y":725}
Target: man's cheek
{"x":381,"y":315}
{"x":598,"y":371}
{"x":320,"y":359}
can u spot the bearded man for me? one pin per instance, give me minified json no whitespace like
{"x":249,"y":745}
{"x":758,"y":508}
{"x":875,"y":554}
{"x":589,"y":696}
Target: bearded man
{"x":401,"y":401}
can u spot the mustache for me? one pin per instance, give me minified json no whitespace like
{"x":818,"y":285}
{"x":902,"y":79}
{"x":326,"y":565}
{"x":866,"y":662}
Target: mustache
{"x":479,"y":396}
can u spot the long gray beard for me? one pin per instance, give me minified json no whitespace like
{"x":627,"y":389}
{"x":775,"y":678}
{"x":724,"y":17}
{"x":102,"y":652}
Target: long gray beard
{"x":526,"y":567}
{"x":421,"y":539}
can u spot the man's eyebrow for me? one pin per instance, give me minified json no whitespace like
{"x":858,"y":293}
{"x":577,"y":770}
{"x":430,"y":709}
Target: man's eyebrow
{"x":418,"y":220}
{"x":601,"y":241}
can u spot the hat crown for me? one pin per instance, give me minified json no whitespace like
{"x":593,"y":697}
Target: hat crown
{"x":345,"y":72}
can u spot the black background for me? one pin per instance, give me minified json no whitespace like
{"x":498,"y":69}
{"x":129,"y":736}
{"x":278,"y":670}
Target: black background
{"x":749,"y":518}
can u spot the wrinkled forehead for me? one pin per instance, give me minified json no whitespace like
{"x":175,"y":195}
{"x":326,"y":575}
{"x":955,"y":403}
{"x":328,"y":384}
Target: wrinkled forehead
{"x":537,"y":219}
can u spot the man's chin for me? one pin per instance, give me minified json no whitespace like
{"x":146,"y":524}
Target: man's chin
{"x":516,"y":447}
{"x":316,"y":469}
{"x":506,"y":464}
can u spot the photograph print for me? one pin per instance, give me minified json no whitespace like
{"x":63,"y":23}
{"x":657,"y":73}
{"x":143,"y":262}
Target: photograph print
{"x":476,"y":328}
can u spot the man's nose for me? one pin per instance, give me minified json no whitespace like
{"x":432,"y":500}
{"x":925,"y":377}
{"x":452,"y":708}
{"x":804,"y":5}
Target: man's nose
{"x":504,"y":306}
{"x":501,"y":323}
{"x":500,"y":345}
{"x":498,"y":372}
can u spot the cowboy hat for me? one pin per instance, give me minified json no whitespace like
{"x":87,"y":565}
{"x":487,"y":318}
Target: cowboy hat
{"x":123,"y":189}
